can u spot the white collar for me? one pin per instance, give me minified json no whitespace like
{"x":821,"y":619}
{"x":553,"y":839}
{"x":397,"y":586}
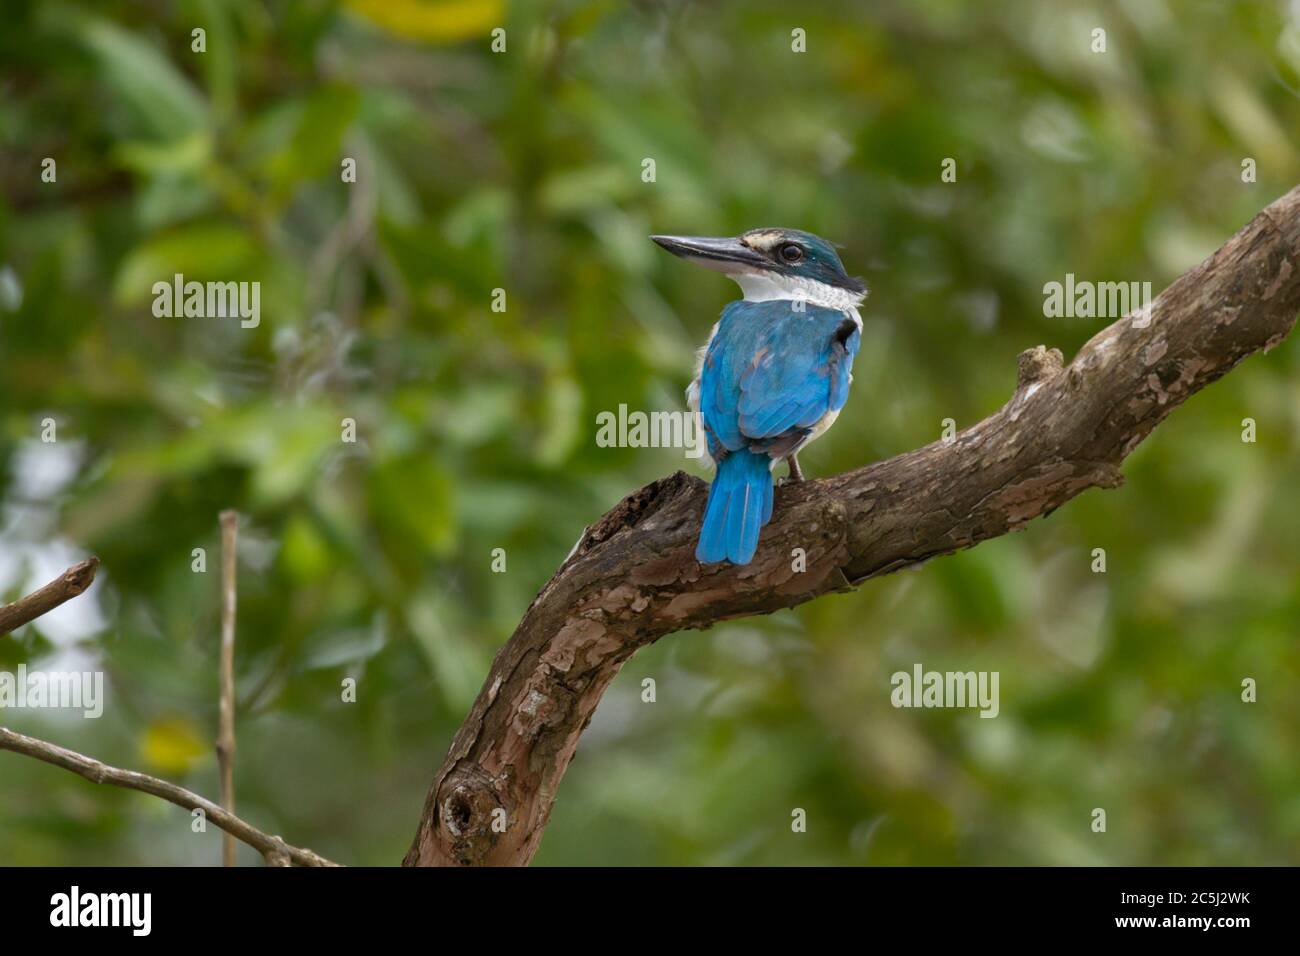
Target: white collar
{"x":766,"y":286}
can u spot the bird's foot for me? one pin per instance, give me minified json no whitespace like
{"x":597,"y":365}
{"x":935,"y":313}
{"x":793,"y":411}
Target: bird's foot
{"x":796,"y":473}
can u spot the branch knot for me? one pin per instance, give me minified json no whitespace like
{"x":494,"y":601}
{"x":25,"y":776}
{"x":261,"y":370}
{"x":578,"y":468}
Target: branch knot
{"x":1038,"y":365}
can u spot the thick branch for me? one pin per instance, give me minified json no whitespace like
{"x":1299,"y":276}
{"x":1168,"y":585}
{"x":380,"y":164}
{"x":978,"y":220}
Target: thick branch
{"x":632,"y":577}
{"x":63,"y":588}
{"x":276,"y":851}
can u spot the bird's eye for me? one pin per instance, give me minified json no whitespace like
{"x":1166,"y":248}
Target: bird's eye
{"x":791,"y":253}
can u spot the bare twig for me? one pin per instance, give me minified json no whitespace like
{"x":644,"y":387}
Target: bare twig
{"x":273,"y":848}
{"x":226,"y":732}
{"x":66,"y":586}
{"x":73,"y":582}
{"x":633,"y":578}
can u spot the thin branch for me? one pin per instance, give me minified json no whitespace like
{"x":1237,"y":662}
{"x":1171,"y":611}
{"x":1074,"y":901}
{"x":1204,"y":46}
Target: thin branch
{"x":226,"y":731}
{"x":65,"y":587}
{"x":74,"y":581}
{"x":632,"y":578}
{"x":273,"y":848}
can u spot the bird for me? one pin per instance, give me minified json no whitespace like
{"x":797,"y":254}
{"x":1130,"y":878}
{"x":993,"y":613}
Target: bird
{"x":774,"y":374}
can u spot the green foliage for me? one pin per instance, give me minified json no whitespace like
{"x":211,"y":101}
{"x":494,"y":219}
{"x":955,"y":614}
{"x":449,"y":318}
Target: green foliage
{"x":476,"y":428}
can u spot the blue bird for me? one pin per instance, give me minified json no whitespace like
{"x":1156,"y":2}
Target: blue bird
{"x":775,"y":372}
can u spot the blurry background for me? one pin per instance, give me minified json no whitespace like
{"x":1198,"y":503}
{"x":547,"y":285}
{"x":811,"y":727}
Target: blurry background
{"x":476,"y":429}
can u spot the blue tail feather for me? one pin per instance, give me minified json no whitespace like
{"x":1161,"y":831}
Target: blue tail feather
{"x":740,"y":503}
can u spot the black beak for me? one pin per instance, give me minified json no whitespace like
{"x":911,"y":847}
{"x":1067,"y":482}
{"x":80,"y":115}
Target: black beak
{"x":707,"y":250}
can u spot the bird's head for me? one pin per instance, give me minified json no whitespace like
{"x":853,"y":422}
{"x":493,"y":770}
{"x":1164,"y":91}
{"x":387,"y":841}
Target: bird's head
{"x":775,"y":264}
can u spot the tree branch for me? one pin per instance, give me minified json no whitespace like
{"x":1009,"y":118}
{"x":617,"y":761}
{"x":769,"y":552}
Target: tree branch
{"x":63,"y":588}
{"x":226,"y":694}
{"x":276,"y":851}
{"x":632,"y":577}
{"x":68,"y":585}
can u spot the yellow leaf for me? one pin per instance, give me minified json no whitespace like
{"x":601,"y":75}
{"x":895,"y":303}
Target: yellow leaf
{"x":173,"y":745}
{"x":434,"y":20}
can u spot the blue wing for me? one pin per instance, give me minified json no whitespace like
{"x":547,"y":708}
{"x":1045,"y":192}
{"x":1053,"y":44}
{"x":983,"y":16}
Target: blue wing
{"x":772,"y":373}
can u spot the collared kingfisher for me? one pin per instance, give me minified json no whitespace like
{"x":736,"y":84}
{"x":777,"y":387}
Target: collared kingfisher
{"x":774,"y":374}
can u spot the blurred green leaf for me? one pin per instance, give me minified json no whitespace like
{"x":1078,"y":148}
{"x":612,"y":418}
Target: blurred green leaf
{"x":163,"y":101}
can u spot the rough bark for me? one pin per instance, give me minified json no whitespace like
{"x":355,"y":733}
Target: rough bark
{"x":632,"y":577}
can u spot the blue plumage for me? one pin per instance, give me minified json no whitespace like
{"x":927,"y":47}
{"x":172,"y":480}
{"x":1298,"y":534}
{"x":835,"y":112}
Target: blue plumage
{"x":775,"y":373}
{"x":771,"y":376}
